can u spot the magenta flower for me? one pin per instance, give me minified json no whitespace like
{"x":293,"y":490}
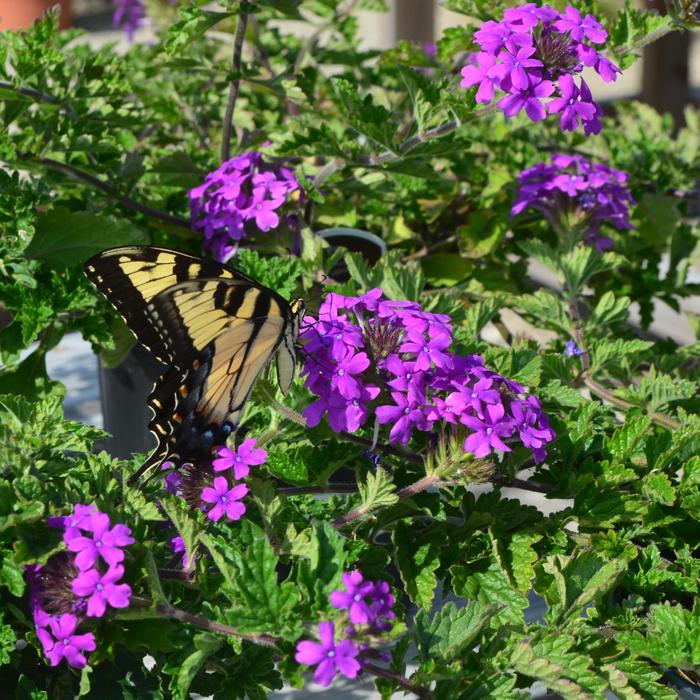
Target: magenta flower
{"x":105,"y":543}
{"x":487,"y":432}
{"x":572,"y":104}
{"x":473,"y":74}
{"x":406,"y":414}
{"x":428,"y":353}
{"x":513,"y":66}
{"x":343,"y":378}
{"x":102,"y":590}
{"x":330,"y":657}
{"x":63,"y":643}
{"x":529,"y":100}
{"x":79,"y":518}
{"x":241,"y":459}
{"x":225,"y":500}
{"x":357,"y":598}
{"x":580,"y":28}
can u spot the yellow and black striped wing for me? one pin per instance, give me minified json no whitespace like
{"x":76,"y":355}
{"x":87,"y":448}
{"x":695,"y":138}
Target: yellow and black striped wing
{"x":132,"y":276}
{"x":216,"y":329}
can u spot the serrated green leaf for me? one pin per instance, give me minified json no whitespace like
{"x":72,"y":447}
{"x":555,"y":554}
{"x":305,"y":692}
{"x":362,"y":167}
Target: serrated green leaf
{"x":657,"y":487}
{"x":379,"y":490}
{"x":205,"y":645}
{"x":451,"y":630}
{"x":610,"y":310}
{"x":417,"y":565}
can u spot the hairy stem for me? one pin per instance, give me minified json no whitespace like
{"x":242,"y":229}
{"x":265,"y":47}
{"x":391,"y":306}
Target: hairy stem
{"x":234,"y":87}
{"x":361,"y":510}
{"x":203,"y":623}
{"x":601,"y":392}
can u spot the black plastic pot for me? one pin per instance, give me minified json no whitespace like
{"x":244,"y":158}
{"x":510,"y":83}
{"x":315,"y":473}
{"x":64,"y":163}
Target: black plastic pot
{"x":354,"y":240}
{"x":124,"y":391}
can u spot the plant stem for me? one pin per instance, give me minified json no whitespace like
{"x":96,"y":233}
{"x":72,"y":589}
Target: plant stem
{"x":361,"y":510}
{"x":524,"y":484}
{"x":331,"y":488}
{"x":98,"y":184}
{"x":603,"y":393}
{"x":234,"y":87}
{"x":205,"y":624}
{"x":400,"y":680}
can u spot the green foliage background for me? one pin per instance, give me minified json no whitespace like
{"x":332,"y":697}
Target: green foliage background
{"x":99,"y":148}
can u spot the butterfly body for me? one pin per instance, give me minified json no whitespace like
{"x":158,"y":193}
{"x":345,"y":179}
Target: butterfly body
{"x":215,"y":329}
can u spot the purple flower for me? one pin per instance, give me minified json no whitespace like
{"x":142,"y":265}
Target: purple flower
{"x":572,"y":349}
{"x":63,"y":643}
{"x":330,"y":657}
{"x":79,"y":519}
{"x":580,"y":28}
{"x":102,"y":590}
{"x":473,"y":74}
{"x":128,"y":15}
{"x":225,"y":500}
{"x":513,"y":67}
{"x":105,"y":543}
{"x":529,"y":100}
{"x":243,"y":195}
{"x":358,"y":598}
{"x":405,"y":414}
{"x":574,"y":104}
{"x":240,"y":460}
{"x":343,"y":378}
{"x":535,"y":52}
{"x":487,"y":432}
{"x":574,"y":189}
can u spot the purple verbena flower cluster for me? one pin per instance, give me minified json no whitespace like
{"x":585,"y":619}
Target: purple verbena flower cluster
{"x":79,"y":583}
{"x":128,"y":15}
{"x":243,"y":195}
{"x":371,"y":356}
{"x":533,"y":54}
{"x":368,"y":609}
{"x":574,"y":192}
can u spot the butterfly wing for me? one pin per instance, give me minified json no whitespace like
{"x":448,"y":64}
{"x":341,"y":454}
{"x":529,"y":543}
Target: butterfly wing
{"x":132,"y":276}
{"x":216,"y":329}
{"x":229,"y":330}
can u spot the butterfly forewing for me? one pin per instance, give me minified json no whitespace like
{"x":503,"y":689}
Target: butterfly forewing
{"x":132,"y":276}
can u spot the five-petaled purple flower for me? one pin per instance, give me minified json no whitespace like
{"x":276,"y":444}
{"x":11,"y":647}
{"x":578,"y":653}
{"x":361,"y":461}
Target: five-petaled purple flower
{"x":357,"y":598}
{"x":244,"y":195}
{"x":105,"y":543}
{"x":574,"y":189}
{"x":535,"y":52}
{"x":571,"y":349}
{"x":241,"y":459}
{"x":59,"y":641}
{"x":102,"y":590}
{"x":329,"y":657}
{"x":226,"y":500}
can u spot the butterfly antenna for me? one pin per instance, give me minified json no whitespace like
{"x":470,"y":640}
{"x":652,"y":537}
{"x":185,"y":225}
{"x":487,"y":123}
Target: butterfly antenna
{"x":153,"y":461}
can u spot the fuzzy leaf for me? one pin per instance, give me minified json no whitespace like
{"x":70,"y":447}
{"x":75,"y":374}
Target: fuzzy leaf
{"x":417,"y":564}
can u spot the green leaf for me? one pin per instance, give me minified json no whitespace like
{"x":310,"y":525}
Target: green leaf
{"x":192,"y":24}
{"x":578,"y":581}
{"x":672,"y":636}
{"x":451,"y":630}
{"x":8,"y":641}
{"x":554,"y":661}
{"x":491,"y":587}
{"x":446,"y":269}
{"x":481,"y":313}
{"x":66,"y":239}
{"x":631,"y":675}
{"x":604,"y":353}
{"x":417,"y":564}
{"x":250,"y":573}
{"x":627,"y":439}
{"x":521,"y":557}
{"x":379,"y":490}
{"x":205,"y":645}
{"x":582,"y":263}
{"x":610,"y":310}
{"x":656,"y":486}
